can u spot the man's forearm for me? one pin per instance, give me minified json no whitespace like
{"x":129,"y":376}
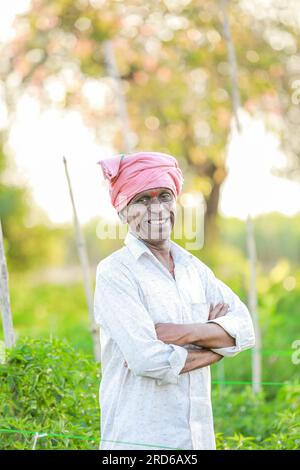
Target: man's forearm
{"x":196,"y":359}
{"x":210,"y":335}
{"x":207,"y":335}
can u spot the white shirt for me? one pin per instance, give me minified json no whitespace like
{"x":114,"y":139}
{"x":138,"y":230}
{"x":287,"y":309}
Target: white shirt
{"x":148,"y":405}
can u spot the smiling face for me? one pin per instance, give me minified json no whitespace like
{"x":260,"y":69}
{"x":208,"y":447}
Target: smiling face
{"x":151,"y":214}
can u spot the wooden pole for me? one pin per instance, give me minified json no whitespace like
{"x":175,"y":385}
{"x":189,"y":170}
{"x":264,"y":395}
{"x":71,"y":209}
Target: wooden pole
{"x":256,"y":351}
{"x":113,"y":72}
{"x":83,"y":257}
{"x":235,"y":92}
{"x":251,"y":246}
{"x":221,"y":375}
{"x":8,"y":330}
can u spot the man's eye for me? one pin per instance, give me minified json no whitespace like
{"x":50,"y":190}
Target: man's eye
{"x":143,"y":199}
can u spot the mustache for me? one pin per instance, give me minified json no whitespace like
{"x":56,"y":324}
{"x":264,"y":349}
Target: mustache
{"x":132,"y":215}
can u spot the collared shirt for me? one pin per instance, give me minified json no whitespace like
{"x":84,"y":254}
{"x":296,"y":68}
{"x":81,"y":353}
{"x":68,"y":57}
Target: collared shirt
{"x":149,"y":404}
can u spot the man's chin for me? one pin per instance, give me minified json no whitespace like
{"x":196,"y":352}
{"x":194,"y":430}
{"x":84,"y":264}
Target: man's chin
{"x":153,"y":234}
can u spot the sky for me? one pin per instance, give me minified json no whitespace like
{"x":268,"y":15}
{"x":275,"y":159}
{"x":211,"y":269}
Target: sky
{"x":39,"y":141}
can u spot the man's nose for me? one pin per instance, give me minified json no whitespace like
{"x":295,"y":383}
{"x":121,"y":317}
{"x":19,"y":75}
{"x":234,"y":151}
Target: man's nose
{"x":157,"y":209}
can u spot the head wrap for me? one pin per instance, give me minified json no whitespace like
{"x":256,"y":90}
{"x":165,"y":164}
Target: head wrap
{"x":130,"y":174}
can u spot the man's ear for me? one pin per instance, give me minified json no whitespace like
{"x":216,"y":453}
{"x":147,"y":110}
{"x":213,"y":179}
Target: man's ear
{"x":122,"y":216}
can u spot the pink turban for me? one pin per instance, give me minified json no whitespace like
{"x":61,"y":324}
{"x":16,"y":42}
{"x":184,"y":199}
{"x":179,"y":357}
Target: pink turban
{"x":130,"y":174}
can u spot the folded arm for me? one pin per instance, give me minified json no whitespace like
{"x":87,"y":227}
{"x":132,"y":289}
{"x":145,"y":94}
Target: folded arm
{"x":226,"y":334}
{"x":205,"y":335}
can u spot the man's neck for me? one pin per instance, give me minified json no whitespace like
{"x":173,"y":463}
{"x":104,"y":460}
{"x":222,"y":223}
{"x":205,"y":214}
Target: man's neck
{"x":160,"y":248}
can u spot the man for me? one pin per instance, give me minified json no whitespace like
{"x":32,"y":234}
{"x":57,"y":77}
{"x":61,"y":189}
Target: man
{"x":164,"y":318}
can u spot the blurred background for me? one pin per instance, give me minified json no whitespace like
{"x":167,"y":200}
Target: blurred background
{"x":88,"y":79}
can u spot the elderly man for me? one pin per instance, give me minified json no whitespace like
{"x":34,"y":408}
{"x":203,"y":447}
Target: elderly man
{"x":164,"y":318}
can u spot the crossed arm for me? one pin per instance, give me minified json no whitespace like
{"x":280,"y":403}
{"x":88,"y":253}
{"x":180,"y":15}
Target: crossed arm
{"x":225,"y":334}
{"x":205,"y":335}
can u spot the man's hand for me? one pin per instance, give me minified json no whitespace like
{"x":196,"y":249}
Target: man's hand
{"x":196,"y":359}
{"x":218,"y":311}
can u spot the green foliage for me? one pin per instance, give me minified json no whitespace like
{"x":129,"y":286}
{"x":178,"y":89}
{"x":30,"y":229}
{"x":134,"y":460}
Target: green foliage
{"x":276,"y":236}
{"x":247,"y":421}
{"x":47,"y":386}
{"x":41,"y":310}
{"x":178,"y":75}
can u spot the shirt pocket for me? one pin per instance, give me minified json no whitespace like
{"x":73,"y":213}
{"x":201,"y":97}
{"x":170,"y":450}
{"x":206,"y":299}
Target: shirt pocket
{"x":198,"y":302}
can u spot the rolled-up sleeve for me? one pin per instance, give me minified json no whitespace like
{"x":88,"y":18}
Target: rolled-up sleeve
{"x":237,"y":322}
{"x":119,"y":309}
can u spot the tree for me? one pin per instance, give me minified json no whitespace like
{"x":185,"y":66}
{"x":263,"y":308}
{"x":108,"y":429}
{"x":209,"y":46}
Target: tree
{"x":173,"y":65}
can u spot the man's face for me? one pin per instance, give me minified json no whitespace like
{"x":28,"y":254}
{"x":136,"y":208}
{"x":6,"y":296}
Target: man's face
{"x":151,"y":214}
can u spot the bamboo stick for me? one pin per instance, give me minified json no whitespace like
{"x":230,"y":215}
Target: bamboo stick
{"x":8,"y":330}
{"x":256,"y":351}
{"x":251,"y":246}
{"x":113,"y":72}
{"x":84,"y":261}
